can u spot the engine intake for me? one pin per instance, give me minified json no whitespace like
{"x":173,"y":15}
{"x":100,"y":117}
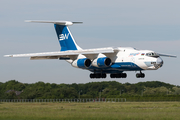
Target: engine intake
{"x":102,"y":62}
{"x":82,"y":63}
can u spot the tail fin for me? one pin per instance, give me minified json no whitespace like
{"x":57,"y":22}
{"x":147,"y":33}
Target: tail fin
{"x":64,"y":35}
{"x":65,"y":38}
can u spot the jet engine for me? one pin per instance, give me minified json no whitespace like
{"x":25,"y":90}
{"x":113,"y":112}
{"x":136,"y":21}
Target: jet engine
{"x":102,"y":62}
{"x":81,"y":63}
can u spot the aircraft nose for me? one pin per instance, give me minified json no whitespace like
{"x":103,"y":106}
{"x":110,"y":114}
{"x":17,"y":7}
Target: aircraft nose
{"x":159,"y":62}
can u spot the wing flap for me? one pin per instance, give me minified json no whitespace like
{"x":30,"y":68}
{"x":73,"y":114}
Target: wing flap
{"x":43,"y":57}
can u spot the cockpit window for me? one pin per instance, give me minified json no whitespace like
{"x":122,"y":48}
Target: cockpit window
{"x":152,"y":54}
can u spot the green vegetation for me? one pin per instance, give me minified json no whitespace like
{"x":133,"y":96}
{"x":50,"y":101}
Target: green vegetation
{"x":142,"y":91}
{"x":90,"y":111}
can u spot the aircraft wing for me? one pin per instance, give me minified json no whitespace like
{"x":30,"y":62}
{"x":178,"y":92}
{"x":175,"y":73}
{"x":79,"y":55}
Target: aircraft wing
{"x":64,"y":54}
{"x":166,"y":55}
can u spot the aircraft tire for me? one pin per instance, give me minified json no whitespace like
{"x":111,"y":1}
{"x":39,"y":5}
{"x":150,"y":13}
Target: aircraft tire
{"x":98,"y":75}
{"x":92,"y":75}
{"x":124,"y":75}
{"x":142,"y":75}
{"x":118,"y":75}
{"x":113,"y":75}
{"x":138,"y":75}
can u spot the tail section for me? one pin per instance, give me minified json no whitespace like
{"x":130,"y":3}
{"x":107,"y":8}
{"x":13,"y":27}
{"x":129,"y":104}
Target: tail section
{"x":64,"y":35}
{"x":65,"y":38}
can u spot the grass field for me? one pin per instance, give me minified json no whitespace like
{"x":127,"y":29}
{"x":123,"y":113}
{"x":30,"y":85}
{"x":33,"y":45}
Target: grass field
{"x":91,"y":111}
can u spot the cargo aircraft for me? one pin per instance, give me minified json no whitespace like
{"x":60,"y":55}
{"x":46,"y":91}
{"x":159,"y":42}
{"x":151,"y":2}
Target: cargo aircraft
{"x":100,"y":61}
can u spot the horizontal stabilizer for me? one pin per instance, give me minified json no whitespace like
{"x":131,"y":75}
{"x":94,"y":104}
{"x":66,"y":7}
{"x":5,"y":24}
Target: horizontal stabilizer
{"x":66,"y":23}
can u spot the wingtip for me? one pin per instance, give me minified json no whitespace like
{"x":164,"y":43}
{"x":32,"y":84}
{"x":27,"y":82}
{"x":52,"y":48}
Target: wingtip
{"x":77,"y":22}
{"x":27,"y":20}
{"x":174,"y":56}
{"x":8,"y":55}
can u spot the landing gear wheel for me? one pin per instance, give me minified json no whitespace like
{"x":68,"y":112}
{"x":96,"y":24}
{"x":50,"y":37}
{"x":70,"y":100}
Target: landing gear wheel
{"x":124,"y":75}
{"x":113,"y":75}
{"x":140,"y":75}
{"x":97,"y":75}
{"x":92,"y":75}
{"x":118,"y":75}
{"x":103,"y":75}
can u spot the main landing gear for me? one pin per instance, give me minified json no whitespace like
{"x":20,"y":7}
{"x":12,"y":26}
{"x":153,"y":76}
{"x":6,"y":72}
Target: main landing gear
{"x":140,"y":75}
{"x":103,"y":75}
{"x":120,"y":75}
{"x":115,"y":75}
{"x":97,"y":75}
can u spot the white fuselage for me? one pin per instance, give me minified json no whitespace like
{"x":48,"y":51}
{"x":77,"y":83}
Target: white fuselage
{"x":126,"y":59}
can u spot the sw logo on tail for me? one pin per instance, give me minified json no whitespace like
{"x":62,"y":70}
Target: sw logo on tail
{"x":100,"y":61}
{"x":63,"y":36}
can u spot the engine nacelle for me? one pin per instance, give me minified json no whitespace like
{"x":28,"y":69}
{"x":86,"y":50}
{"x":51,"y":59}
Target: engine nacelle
{"x":81,"y":63}
{"x":102,"y":62}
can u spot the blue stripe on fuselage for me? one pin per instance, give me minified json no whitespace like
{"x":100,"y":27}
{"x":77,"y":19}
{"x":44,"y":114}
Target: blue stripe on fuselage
{"x":117,"y":68}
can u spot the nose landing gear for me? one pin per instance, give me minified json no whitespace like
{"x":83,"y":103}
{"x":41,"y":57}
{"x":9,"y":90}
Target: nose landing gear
{"x":140,"y":75}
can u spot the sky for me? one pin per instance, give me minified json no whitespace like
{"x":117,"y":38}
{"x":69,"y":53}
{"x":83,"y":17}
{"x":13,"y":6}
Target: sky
{"x":150,"y":25}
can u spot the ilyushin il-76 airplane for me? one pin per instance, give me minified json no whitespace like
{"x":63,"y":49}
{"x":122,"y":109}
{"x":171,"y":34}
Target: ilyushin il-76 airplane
{"x":100,"y":61}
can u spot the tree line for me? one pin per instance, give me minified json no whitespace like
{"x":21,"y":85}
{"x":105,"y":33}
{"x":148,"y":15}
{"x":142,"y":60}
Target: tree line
{"x":104,"y":89}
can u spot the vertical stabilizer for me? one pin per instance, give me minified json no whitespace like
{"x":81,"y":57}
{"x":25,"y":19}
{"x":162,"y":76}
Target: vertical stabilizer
{"x":65,"y":38}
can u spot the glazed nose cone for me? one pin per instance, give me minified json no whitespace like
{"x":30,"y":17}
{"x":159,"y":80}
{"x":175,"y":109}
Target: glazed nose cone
{"x":159,"y":62}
